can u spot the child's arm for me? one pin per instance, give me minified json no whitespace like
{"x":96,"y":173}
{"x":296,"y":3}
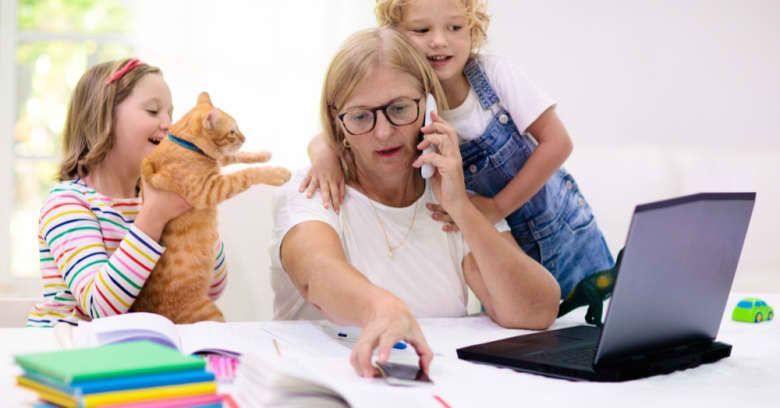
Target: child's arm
{"x":554,"y":147}
{"x":325,"y":173}
{"x":102,"y":284}
{"x":219,"y":281}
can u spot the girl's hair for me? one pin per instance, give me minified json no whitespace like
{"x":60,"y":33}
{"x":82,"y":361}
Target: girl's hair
{"x":354,"y":60}
{"x":391,"y":13}
{"x":87,"y":137}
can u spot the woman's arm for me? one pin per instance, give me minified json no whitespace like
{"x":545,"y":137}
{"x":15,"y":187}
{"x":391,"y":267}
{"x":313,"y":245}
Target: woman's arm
{"x":516,"y":291}
{"x":314,"y":258}
{"x":325,"y":173}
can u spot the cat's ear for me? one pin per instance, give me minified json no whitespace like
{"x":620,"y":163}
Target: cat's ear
{"x":210,"y":121}
{"x":204,"y":98}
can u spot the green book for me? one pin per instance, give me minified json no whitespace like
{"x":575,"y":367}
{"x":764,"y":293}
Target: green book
{"x":113,"y":360}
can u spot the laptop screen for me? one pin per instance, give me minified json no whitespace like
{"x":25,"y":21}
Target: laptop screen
{"x":678,"y":265}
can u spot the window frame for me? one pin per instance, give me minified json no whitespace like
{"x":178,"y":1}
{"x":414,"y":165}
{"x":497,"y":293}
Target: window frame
{"x":10,"y":39}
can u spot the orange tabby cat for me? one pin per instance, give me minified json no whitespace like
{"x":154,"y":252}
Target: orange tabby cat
{"x":189,"y":163}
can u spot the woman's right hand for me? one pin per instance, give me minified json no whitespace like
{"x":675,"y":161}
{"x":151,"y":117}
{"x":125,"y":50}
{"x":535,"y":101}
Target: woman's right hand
{"x":391,"y":323}
{"x":158,"y":207}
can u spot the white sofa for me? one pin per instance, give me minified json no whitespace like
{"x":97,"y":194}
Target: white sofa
{"x":613,"y":179}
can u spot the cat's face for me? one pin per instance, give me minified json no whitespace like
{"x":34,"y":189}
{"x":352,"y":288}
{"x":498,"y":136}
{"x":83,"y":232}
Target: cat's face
{"x":212,"y":130}
{"x":223,"y":131}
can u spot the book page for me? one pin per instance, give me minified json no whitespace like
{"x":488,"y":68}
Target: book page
{"x":126,"y":327}
{"x":221,"y":338}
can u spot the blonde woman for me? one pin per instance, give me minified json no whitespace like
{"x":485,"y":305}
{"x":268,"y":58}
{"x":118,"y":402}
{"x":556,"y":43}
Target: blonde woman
{"x":382,"y":261}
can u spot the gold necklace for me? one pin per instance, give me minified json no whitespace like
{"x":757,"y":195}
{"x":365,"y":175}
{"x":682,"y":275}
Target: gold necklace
{"x":390,"y":248}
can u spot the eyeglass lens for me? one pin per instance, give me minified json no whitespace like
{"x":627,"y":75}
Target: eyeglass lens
{"x":399,"y":112}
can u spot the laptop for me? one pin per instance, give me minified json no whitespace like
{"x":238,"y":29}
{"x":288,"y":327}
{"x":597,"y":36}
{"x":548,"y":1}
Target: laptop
{"x":667,"y":304}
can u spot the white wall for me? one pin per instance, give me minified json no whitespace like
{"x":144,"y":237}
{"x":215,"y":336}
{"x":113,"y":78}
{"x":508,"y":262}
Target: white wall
{"x":660,"y":72}
{"x":648,"y":80}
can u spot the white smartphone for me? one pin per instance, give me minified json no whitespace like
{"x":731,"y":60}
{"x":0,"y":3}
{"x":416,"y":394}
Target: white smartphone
{"x":430,"y":106}
{"x":402,"y":374}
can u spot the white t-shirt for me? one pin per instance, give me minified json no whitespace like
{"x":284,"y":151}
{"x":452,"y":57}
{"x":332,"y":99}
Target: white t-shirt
{"x":425,"y":271}
{"x":524,"y":102}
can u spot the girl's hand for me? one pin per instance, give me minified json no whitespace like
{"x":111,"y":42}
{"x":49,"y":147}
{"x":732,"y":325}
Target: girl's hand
{"x":392,"y":323}
{"x":487,"y":206}
{"x":447,"y":180}
{"x":325,"y":173}
{"x":158,"y":207}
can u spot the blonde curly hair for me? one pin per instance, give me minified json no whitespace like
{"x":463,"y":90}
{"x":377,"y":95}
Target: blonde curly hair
{"x":391,"y":13}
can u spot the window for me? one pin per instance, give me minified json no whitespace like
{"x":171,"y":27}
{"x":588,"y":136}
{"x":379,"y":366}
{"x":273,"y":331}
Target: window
{"x":267,"y":75}
{"x":46,"y":46}
{"x":745,"y":304}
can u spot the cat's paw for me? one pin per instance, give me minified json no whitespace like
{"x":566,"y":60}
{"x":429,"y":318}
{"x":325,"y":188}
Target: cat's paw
{"x":260,"y":157}
{"x":275,"y":176}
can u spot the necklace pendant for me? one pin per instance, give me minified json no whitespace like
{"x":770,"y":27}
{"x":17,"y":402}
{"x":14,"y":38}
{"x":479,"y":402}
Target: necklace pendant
{"x":390,"y":253}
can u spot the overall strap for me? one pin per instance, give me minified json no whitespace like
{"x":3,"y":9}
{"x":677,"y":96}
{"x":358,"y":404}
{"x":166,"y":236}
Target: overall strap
{"x":479,"y":82}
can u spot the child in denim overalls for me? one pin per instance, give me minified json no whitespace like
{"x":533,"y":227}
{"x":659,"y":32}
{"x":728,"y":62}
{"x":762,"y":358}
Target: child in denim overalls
{"x":516,"y":175}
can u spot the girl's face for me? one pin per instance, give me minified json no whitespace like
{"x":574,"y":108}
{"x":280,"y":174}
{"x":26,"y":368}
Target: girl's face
{"x":141,"y":121}
{"x":440,"y":31}
{"x":387,"y":149}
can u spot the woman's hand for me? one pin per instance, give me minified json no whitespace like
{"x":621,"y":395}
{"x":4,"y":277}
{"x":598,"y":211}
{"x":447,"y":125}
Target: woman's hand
{"x":447,"y":180}
{"x":326,"y":174}
{"x":392,"y":322}
{"x":158,"y":207}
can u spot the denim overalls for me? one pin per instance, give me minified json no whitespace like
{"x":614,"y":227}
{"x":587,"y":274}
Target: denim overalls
{"x":556,"y":226}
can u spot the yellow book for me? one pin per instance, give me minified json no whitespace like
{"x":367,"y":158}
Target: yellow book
{"x":116,"y":397}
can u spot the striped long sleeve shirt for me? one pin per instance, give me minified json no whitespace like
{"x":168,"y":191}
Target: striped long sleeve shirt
{"x":94,"y":261}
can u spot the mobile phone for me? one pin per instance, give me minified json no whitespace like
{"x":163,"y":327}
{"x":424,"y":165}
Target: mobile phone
{"x":430,"y":106}
{"x":402,"y":374}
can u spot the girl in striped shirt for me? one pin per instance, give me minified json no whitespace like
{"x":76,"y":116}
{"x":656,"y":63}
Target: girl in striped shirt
{"x":98,"y":239}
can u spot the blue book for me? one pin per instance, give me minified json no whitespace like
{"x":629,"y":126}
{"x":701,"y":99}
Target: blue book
{"x":122,"y":383}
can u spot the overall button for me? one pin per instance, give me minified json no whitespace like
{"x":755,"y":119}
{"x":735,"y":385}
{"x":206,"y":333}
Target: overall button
{"x":473,"y":168}
{"x":568,"y":184}
{"x":503,"y":119}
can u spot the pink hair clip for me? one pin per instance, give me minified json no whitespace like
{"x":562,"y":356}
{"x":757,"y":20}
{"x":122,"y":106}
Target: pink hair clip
{"x":122,"y":71}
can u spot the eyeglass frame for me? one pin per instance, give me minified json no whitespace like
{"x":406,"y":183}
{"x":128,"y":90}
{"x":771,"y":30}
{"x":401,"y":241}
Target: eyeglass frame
{"x":383,"y":108}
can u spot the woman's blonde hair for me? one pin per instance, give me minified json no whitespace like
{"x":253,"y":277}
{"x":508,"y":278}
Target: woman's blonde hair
{"x":391,"y":13}
{"x":87,"y":137}
{"x":354,"y":60}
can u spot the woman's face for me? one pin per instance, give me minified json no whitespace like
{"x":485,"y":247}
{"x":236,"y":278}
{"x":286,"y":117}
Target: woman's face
{"x":387,"y":149}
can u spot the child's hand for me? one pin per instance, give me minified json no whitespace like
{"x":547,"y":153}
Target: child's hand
{"x":325,"y":173}
{"x":487,"y":206}
{"x":439,"y":214}
{"x":157,"y":208}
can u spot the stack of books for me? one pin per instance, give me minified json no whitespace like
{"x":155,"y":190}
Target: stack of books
{"x":137,"y":374}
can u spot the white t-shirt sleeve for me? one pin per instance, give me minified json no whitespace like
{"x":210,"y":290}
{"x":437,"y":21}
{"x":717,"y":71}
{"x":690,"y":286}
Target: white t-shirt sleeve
{"x":291,"y":208}
{"x":524,"y":101}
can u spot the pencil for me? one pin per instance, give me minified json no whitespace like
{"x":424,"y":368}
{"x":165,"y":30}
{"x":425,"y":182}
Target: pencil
{"x":276,"y":346}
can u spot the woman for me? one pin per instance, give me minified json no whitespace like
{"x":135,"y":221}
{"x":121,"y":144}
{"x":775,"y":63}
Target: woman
{"x":380,"y":262}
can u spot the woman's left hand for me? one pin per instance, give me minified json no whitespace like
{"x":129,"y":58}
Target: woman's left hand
{"x":447,"y":180}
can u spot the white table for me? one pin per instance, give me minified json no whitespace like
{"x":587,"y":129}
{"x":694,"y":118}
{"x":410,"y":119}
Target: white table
{"x":748,"y":378}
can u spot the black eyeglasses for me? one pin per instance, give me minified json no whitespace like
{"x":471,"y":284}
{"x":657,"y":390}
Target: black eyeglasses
{"x":399,"y":112}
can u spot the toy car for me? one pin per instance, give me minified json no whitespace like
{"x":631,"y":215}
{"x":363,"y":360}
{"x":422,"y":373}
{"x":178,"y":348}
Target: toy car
{"x":752,"y":310}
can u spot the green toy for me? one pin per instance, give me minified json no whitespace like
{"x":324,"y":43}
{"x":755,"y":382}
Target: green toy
{"x":592,"y":291}
{"x":752,"y":310}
